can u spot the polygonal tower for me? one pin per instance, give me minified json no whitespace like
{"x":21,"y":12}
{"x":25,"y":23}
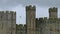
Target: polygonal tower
{"x":30,"y":19}
{"x":53,"y":12}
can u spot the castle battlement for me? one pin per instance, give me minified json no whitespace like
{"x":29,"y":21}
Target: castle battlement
{"x":7,"y":12}
{"x":30,"y":7}
{"x":21,"y":26}
{"x":8,"y":15}
{"x":45,"y":18}
{"x":24,"y":25}
{"x":37,"y":19}
{"x":41,"y":19}
{"x":54,"y":9}
{"x":53,"y":12}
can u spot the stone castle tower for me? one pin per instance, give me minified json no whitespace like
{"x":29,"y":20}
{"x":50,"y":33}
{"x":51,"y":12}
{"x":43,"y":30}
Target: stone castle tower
{"x":42,"y":25}
{"x":53,"y":12}
{"x":7,"y":22}
{"x":30,"y":19}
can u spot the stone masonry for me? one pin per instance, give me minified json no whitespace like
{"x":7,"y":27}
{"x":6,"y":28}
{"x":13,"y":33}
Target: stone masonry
{"x":42,"y":25}
{"x":7,"y":22}
{"x":30,"y":19}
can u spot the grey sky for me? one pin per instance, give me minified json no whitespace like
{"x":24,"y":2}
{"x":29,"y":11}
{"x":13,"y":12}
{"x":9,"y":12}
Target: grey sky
{"x":13,"y":3}
{"x":19,"y":6}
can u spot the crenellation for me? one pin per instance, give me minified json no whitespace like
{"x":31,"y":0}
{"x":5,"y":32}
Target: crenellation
{"x":14,"y":12}
{"x":50,"y":9}
{"x":30,"y":7}
{"x":41,"y":19}
{"x":55,"y":9}
{"x":21,"y":25}
{"x":8,"y":23}
{"x":45,"y":18}
{"x":14,"y":16}
{"x":53,"y":12}
{"x":37,"y":19}
{"x":24,"y":25}
{"x":11,"y":12}
{"x":7,"y":12}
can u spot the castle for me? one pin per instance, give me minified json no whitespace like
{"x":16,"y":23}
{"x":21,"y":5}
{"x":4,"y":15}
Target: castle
{"x":7,"y":22}
{"x":33,"y":25}
{"x":44,"y":25}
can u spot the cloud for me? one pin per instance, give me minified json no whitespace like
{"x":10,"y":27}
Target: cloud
{"x":45,"y":3}
{"x":13,"y":3}
{"x":9,"y":3}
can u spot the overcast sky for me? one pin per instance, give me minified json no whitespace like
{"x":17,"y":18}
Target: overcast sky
{"x":42,"y":7}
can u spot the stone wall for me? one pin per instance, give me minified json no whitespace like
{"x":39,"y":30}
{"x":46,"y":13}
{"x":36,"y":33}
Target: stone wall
{"x":7,"y":22}
{"x":21,"y":29}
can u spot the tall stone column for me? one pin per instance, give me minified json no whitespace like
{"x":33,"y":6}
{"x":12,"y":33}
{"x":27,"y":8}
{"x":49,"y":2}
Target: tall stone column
{"x":30,"y":19}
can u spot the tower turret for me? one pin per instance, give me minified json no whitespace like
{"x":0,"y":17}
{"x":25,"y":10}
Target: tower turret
{"x":30,"y":19}
{"x":53,"y":12}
